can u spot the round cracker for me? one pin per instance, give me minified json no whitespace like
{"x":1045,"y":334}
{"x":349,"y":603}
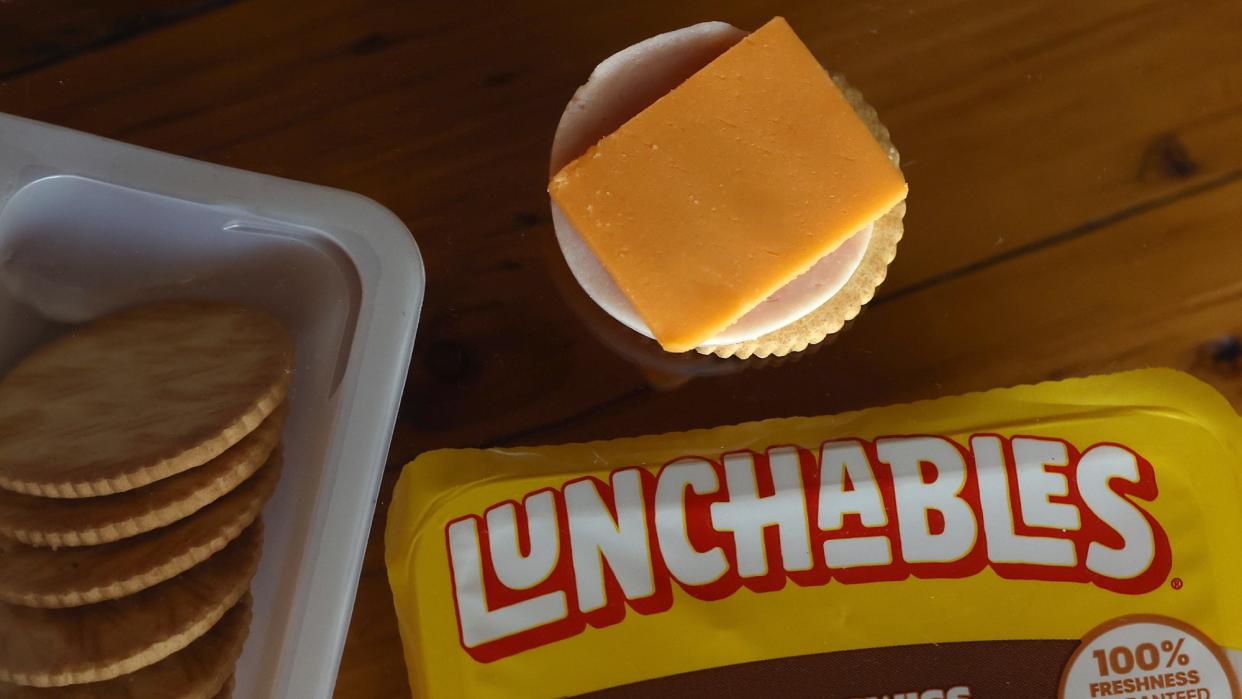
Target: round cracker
{"x":843,"y":306}
{"x":139,"y":396}
{"x":40,"y":577}
{"x":57,"y":523}
{"x":59,"y":647}
{"x":203,"y":670}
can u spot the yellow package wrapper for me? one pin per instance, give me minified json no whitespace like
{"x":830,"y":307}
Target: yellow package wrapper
{"x":1081,"y":538}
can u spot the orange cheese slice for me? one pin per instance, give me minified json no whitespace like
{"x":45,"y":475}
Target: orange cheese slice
{"x":728,"y":187}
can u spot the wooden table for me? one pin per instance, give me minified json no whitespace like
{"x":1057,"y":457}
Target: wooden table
{"x":1075,"y":173}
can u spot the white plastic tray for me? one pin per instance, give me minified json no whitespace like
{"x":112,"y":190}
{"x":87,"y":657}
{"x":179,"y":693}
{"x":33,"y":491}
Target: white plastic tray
{"x":89,"y":225}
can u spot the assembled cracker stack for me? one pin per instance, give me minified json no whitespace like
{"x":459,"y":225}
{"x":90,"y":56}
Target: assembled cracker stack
{"x":719,"y":191}
{"x":136,"y":454}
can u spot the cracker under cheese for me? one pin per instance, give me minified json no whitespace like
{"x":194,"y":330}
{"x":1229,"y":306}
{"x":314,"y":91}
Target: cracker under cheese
{"x":728,"y":187}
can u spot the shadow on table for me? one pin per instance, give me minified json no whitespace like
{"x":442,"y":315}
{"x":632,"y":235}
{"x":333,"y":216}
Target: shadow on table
{"x":663,"y":370}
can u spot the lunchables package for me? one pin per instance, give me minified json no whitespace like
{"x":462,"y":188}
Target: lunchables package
{"x":1081,"y":538}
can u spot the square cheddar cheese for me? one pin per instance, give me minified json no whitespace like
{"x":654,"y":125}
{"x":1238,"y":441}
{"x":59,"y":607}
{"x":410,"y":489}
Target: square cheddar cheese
{"x":728,"y":187}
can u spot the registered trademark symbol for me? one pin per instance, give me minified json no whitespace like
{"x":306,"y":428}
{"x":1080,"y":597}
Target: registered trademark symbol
{"x":1176,"y":583}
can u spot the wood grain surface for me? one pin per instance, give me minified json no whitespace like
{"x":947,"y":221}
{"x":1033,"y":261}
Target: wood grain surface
{"x":1075,"y":173}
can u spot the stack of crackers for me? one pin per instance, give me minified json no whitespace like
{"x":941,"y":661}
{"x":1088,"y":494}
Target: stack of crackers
{"x":136,"y":454}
